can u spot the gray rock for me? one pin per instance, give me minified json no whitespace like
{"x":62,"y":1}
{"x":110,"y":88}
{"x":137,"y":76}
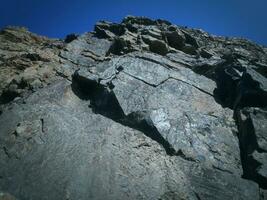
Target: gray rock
{"x":23,"y":57}
{"x":263,"y":194}
{"x":155,"y":45}
{"x":141,"y":109}
{"x":252,"y":129}
{"x":82,"y":160}
{"x":85,"y":50}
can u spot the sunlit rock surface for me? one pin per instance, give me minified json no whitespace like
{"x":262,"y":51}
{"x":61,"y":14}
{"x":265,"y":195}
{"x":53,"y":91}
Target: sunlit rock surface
{"x":143,"y":109}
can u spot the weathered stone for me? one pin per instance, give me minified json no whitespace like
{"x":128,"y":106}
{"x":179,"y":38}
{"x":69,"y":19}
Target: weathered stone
{"x":191,"y":39}
{"x":189,"y":49}
{"x":205,"y":54}
{"x":74,"y":159}
{"x":153,"y":32}
{"x":105,"y":29}
{"x":176,"y":39}
{"x":141,"y":109}
{"x":155,"y":45}
{"x":24,"y":54}
{"x":253,"y":136}
{"x":120,"y":46}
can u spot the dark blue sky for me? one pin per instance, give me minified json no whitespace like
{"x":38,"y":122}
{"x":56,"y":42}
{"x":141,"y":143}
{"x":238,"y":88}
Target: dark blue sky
{"x":56,"y":18}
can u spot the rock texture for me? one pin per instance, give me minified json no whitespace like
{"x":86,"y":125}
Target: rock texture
{"x":143,"y":109}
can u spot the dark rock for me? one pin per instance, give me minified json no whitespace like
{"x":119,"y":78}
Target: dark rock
{"x":189,"y":49}
{"x":205,"y":54}
{"x":175,"y":38}
{"x":159,"y":47}
{"x":69,"y":38}
{"x":238,"y":87}
{"x":102,"y":33}
{"x":191,"y":40}
{"x":131,"y":27}
{"x":7,"y":96}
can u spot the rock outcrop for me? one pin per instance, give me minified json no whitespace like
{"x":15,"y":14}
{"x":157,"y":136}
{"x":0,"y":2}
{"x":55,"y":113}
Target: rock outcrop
{"x":143,"y":109}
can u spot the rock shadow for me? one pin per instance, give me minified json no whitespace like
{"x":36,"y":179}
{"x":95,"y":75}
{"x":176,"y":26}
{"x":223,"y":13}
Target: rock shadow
{"x":104,"y":102}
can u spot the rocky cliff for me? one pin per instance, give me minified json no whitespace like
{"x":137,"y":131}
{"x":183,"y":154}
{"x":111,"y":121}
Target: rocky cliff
{"x":143,"y":109}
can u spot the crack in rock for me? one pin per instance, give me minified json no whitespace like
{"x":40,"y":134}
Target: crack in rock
{"x":238,"y":90}
{"x":104,"y":102}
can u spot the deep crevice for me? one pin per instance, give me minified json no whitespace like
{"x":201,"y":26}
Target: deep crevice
{"x":104,"y":102}
{"x":236,"y":89}
{"x":8,"y":96}
{"x":248,"y":144}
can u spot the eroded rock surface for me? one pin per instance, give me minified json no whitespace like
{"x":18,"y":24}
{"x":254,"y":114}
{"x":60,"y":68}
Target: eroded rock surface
{"x":143,"y":109}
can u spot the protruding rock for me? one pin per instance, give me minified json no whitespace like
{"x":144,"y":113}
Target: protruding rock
{"x":155,"y":45}
{"x":105,"y":29}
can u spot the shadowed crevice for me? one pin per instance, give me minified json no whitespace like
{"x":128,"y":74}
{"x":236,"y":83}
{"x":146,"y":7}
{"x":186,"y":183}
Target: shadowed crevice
{"x":248,"y":144}
{"x":8,"y":96}
{"x":236,"y":89}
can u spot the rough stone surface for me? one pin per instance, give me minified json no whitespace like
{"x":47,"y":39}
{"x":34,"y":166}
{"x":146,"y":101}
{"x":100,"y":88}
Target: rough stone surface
{"x":141,"y":109}
{"x":253,"y":137}
{"x":27,"y":62}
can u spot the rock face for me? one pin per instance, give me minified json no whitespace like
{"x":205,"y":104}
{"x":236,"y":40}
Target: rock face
{"x":143,"y":109}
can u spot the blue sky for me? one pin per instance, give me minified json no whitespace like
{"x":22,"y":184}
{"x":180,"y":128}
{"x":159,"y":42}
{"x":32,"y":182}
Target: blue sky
{"x":57,"y":18}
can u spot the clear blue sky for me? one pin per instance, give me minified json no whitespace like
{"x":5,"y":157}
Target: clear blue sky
{"x":57,"y":18}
